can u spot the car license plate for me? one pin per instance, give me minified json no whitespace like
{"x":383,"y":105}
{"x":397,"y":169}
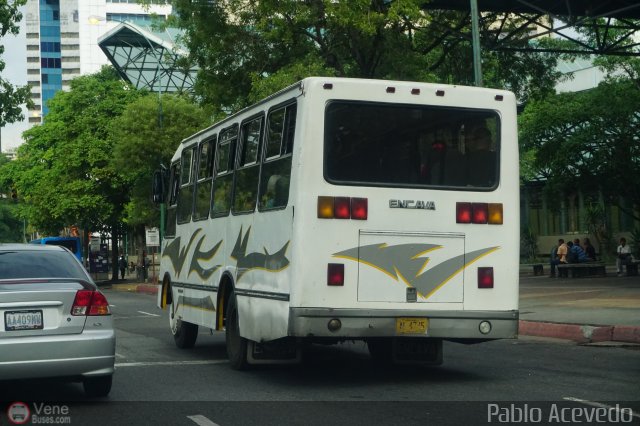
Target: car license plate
{"x":23,"y":320}
{"x":412,"y":325}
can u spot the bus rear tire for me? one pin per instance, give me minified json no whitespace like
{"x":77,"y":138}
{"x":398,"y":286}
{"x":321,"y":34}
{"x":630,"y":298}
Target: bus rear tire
{"x":236,"y":344}
{"x":184,"y":333}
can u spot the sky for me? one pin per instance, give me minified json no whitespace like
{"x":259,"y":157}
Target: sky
{"x":15,"y":71}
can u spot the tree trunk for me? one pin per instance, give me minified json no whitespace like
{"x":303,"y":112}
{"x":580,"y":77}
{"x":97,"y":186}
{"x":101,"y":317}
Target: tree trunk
{"x":114,"y":253}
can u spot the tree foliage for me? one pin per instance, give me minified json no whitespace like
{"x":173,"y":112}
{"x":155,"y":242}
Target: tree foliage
{"x":145,"y":137}
{"x":246,"y":49}
{"x":64,"y":171}
{"x":11,"y":97}
{"x":587,"y":140}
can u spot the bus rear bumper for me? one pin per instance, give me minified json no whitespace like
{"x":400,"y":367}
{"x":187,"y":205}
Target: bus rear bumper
{"x":367,"y":323}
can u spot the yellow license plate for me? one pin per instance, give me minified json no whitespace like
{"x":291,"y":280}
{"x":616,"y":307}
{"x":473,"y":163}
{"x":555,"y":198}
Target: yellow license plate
{"x":411,"y":325}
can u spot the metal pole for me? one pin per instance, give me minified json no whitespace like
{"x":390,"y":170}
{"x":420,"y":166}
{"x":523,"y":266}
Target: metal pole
{"x":475,"y":37}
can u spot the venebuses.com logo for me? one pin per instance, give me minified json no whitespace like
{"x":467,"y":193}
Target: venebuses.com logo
{"x":19,"y":413}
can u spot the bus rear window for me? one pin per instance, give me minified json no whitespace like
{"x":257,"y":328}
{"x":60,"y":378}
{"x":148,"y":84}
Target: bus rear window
{"x":395,"y":145}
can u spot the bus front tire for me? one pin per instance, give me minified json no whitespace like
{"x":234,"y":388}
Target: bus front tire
{"x":236,"y":344}
{"x":184,"y":333}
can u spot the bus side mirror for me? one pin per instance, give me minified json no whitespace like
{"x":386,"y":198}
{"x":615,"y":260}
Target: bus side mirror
{"x":158,"y":189}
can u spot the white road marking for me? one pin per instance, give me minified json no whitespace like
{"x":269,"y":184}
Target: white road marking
{"x":201,"y":420}
{"x":119,"y":355}
{"x":147,"y":313}
{"x":599,"y":405}
{"x":161,"y":363}
{"x":132,"y":317}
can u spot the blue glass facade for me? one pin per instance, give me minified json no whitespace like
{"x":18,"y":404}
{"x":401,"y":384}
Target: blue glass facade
{"x":50,"y":56}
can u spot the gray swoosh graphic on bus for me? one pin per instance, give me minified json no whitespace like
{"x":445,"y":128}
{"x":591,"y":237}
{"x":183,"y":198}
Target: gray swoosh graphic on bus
{"x":269,"y":262}
{"x":178,"y":255}
{"x":204,"y":256}
{"x":403,"y":263}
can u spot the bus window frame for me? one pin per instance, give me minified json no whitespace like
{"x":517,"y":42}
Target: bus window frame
{"x":260,"y":117}
{"x":190,"y":182}
{"x":284,"y":148}
{"x":212,"y":141}
{"x":230,"y":166}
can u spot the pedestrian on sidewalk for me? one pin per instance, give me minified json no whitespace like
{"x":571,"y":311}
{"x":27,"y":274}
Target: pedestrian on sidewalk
{"x":122,"y":265}
{"x":624,"y":255}
{"x":589,"y":249}
{"x":558,"y":255}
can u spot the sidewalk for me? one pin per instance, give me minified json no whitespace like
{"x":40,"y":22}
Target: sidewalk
{"x":585,"y":310}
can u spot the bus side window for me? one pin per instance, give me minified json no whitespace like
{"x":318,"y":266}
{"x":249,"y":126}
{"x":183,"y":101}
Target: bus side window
{"x":276,"y":169}
{"x":172,"y":200}
{"x":205,"y":177}
{"x":187,"y":180}
{"x":245,"y":192}
{"x":224,"y":164}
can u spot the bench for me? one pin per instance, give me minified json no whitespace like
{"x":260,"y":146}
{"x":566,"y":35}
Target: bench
{"x":585,"y":269}
{"x":632,"y":267}
{"x":538,"y":269}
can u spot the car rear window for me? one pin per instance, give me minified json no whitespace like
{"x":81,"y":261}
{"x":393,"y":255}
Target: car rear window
{"x":39,"y":264}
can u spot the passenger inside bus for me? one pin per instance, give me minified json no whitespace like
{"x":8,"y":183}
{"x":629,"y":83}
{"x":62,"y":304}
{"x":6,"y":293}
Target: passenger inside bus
{"x":480,"y":159}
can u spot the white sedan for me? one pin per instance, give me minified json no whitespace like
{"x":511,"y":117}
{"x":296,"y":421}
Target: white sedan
{"x":54,"y":322}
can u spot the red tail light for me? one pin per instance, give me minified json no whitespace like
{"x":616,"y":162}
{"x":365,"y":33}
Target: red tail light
{"x":89,"y":302}
{"x":485,"y":277}
{"x":341,"y":208}
{"x":359,"y":208}
{"x":480,"y":212}
{"x":463,"y":212}
{"x":335,"y":274}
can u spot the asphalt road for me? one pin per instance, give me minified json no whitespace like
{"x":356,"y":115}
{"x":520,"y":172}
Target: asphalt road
{"x":157,"y":383}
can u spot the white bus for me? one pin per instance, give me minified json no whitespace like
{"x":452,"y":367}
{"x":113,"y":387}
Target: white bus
{"x":347,"y":209}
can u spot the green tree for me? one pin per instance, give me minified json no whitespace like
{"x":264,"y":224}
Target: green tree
{"x":141,"y":145}
{"x":263,"y":46}
{"x":587,"y":141}
{"x":64,"y":170}
{"x":11,"y":97}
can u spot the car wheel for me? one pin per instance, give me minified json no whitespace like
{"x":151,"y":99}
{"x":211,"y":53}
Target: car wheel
{"x":184,"y":333}
{"x":97,"y":386}
{"x":236,"y":344}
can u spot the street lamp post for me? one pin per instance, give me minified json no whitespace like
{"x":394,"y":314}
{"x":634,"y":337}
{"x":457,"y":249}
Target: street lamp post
{"x":475,"y":41}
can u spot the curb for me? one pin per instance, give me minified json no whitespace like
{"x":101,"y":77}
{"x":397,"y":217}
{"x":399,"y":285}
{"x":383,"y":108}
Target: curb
{"x":581,"y":333}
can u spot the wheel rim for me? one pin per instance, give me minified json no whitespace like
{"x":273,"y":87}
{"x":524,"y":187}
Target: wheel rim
{"x":173,"y":321}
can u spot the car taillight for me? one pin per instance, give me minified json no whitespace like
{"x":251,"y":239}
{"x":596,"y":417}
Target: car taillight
{"x":88,"y":302}
{"x":343,"y":208}
{"x":485,"y":277}
{"x":335,"y":274}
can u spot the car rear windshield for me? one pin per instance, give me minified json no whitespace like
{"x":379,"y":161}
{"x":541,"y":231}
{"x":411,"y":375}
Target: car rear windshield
{"x":39,"y":264}
{"x":411,"y":146}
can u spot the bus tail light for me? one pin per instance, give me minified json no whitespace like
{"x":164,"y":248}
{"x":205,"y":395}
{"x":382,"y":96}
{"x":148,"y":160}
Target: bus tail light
{"x":485,"y":277}
{"x":335,"y":274}
{"x":359,"y":208}
{"x":343,"y":208}
{"x":463,"y":212}
{"x":495,"y":213}
{"x":325,"y":207}
{"x":480,"y":212}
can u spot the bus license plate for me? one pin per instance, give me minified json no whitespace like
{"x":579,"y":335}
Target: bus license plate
{"x":411,"y":325}
{"x":23,"y":320}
